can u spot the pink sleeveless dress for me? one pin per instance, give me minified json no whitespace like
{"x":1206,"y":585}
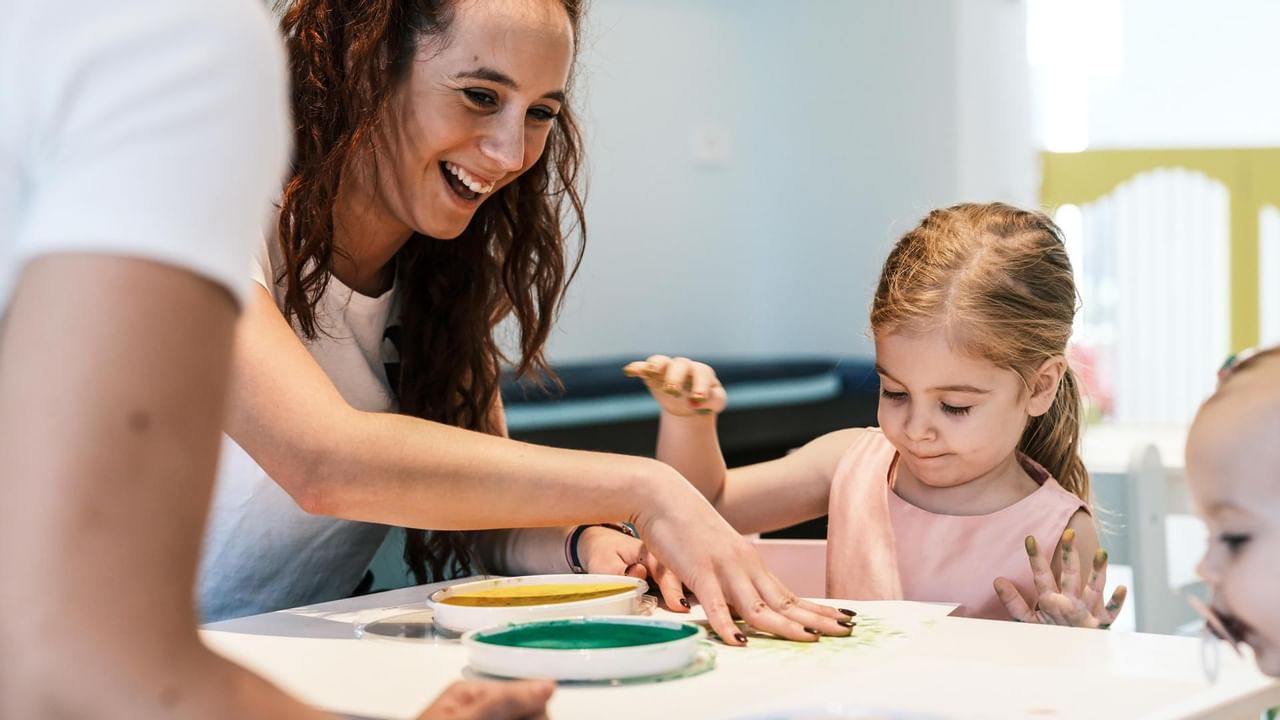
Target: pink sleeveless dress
{"x":881,"y":547}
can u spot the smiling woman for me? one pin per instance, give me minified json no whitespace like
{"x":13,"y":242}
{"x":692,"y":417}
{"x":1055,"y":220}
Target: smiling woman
{"x":436,"y":156}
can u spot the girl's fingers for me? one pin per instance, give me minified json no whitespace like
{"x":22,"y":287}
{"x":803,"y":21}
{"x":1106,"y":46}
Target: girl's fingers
{"x":701,"y":378}
{"x":656,"y":367}
{"x":1013,"y":601}
{"x":1092,"y":595}
{"x":635,"y":369}
{"x":1041,"y":573}
{"x":1114,"y":606}
{"x":1070,"y":565}
{"x":676,"y":379}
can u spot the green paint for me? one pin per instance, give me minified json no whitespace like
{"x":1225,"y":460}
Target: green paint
{"x":581,"y":634}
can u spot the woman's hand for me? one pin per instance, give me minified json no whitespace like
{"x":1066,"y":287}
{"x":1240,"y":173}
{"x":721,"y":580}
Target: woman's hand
{"x":1070,"y":602}
{"x":487,"y":700}
{"x":688,"y":537}
{"x":681,"y":386}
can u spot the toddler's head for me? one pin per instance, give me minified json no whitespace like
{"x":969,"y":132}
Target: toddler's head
{"x":1233,"y":469}
{"x":971,"y":321}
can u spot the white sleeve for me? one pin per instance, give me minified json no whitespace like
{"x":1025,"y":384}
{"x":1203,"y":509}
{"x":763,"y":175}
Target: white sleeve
{"x":160,"y":131}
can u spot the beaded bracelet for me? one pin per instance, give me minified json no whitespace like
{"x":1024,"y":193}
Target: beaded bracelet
{"x":571,"y":542}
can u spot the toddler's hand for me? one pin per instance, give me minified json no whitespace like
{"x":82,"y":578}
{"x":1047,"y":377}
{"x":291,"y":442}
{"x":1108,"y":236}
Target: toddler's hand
{"x":1074,"y":604}
{"x":681,"y":386}
{"x":606,"y":551}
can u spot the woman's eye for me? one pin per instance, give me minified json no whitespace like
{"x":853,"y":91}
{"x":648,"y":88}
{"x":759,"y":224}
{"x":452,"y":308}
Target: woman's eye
{"x":483,"y":98}
{"x":543,"y":114}
{"x":894,"y":396}
{"x":955,"y":410}
{"x":1234,"y":542}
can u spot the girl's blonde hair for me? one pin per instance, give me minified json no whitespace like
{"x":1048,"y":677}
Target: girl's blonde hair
{"x":998,"y":281}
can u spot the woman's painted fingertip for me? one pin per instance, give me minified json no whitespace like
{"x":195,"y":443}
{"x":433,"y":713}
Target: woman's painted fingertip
{"x":1099,"y":559}
{"x":846,"y":623}
{"x":1030,"y":543}
{"x":684,"y":603}
{"x":1068,"y":536}
{"x":848,"y":612}
{"x":740,"y":638}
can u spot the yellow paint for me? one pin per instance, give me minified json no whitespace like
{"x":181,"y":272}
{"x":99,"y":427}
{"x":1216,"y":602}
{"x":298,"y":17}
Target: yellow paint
{"x":526,"y":595}
{"x":1251,"y":176}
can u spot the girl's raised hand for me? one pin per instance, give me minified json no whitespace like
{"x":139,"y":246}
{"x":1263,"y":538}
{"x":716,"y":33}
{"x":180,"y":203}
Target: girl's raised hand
{"x":681,"y":386}
{"x":1070,"y":603}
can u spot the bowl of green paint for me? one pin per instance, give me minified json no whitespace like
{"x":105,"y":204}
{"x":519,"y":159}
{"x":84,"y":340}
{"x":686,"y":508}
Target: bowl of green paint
{"x":585,"y":648}
{"x":484,"y":603}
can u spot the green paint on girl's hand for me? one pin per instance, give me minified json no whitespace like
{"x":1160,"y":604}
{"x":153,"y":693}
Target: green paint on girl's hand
{"x":1032,"y":548}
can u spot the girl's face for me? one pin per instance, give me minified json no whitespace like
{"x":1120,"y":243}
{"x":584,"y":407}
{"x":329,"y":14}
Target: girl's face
{"x":952,"y":417}
{"x":1233,"y":470}
{"x":473,"y":114}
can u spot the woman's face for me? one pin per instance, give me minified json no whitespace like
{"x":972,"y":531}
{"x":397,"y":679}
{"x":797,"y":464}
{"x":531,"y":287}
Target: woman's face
{"x":474,"y":112}
{"x":1233,"y":472}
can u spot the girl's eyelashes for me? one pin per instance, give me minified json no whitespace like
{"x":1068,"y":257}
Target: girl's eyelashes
{"x":895,"y":396}
{"x":1233,"y":541}
{"x":892,"y":395}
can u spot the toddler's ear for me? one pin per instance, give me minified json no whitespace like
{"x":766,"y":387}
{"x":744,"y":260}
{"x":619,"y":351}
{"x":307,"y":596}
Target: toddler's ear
{"x":1045,"y":385}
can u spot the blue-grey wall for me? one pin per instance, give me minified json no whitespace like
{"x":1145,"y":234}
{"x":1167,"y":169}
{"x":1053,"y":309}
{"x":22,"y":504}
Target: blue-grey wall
{"x":751,"y":162}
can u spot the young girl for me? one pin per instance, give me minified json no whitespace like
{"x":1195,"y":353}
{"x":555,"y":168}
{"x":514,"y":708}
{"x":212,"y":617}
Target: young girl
{"x":975,"y":466}
{"x":1233,"y":471}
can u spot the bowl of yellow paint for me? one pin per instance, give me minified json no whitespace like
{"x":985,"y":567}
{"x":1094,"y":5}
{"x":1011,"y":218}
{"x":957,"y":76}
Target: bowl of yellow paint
{"x":584,"y":649}
{"x":483,"y":603}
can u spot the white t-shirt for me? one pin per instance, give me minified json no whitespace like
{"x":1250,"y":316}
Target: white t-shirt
{"x":146,"y":128}
{"x":262,"y":552}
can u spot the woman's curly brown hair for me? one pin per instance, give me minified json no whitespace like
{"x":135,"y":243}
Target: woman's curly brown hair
{"x":346,"y":59}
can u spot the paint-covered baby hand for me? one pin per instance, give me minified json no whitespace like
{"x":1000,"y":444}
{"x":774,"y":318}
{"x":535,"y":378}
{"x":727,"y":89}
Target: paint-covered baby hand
{"x":681,"y":386}
{"x":1071,"y":602}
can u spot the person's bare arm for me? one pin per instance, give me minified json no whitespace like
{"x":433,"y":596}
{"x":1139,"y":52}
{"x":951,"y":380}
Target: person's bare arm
{"x":791,"y":489}
{"x":112,"y":373}
{"x":399,"y":470}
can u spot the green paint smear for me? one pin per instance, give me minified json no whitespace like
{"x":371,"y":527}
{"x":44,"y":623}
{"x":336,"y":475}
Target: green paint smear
{"x":580,"y":635}
{"x":871,"y":633}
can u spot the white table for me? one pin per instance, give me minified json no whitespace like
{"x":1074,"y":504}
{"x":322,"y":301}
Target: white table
{"x":951,"y":667}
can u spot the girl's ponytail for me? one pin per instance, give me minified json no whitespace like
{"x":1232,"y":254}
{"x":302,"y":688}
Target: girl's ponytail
{"x":1053,"y":439}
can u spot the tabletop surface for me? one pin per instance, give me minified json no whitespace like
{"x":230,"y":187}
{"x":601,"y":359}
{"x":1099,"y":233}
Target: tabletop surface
{"x":906,"y":660}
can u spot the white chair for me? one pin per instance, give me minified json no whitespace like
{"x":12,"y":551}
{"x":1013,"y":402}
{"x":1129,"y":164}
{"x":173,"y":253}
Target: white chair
{"x":1145,"y":518}
{"x":801,"y":565}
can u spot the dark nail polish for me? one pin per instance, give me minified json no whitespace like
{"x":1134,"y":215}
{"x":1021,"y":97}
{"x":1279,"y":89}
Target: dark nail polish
{"x":848,"y":612}
{"x":740,"y":638}
{"x":811,"y":631}
{"x":846,"y":623}
{"x":684,"y":602}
